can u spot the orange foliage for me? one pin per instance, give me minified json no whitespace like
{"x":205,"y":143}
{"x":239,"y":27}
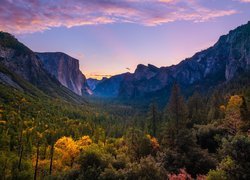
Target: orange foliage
{"x":154,"y":143}
{"x":67,"y":149}
{"x":83,"y":142}
{"x":233,"y":119}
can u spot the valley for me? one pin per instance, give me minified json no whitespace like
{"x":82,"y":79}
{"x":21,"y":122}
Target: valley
{"x":185,"y":121}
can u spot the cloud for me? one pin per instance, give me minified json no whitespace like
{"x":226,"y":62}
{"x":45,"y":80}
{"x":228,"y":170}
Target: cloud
{"x":27,"y":16}
{"x":245,"y":1}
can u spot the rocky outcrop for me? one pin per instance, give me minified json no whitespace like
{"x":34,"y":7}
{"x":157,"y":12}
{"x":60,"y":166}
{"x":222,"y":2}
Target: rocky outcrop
{"x":228,"y":58}
{"x":66,"y":70}
{"x":22,"y":61}
{"x":21,"y":68}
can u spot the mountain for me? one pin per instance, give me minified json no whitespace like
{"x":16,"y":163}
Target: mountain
{"x":229,"y":58}
{"x":21,"y":68}
{"x":92,"y":83}
{"x":66,"y":70}
{"x":110,"y":87}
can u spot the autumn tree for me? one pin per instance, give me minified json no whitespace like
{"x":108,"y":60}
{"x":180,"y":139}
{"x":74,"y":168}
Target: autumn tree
{"x":83,"y":142}
{"x":233,"y":118}
{"x":68,"y":149}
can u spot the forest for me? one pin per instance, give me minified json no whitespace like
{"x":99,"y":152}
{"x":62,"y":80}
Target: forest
{"x":204,"y":136}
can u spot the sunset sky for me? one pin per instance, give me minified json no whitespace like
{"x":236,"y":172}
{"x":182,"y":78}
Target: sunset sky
{"x":110,"y":36}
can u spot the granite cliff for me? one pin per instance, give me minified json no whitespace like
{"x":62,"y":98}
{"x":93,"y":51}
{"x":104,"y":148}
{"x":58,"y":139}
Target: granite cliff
{"x":66,"y":70}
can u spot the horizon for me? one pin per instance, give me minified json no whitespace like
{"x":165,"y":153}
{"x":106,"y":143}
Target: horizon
{"x":110,"y":38}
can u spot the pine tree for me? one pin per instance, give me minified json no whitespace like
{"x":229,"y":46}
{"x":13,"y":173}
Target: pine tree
{"x":214,"y":104}
{"x":176,"y":108}
{"x":176,"y":116}
{"x":153,"y":119}
{"x":196,"y":109}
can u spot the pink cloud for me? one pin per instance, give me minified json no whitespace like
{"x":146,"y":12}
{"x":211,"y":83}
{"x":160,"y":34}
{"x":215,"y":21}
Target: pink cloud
{"x":27,"y":16}
{"x":246,"y":1}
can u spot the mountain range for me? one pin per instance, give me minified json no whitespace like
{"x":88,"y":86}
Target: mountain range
{"x":229,"y":58}
{"x":58,"y":75}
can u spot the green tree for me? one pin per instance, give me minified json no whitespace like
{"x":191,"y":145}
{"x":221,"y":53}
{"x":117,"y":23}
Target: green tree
{"x":176,"y":108}
{"x":196,"y":109}
{"x":213,"y":106}
{"x":236,"y":163}
{"x":176,"y":117}
{"x":138,"y":144}
{"x":153,"y":118}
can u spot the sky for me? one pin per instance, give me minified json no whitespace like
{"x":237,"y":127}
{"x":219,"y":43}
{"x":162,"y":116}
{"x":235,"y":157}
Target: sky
{"x":113,"y":36}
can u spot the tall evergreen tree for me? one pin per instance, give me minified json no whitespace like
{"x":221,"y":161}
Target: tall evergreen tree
{"x":196,"y":109}
{"x":176,"y":116}
{"x":153,"y":119}
{"x":176,"y":108}
{"x":213,"y":106}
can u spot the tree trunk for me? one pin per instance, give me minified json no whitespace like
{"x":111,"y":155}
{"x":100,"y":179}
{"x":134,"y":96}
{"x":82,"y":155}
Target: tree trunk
{"x":51,"y":159}
{"x":154,"y":121}
{"x":37,"y":158}
{"x":45,"y":151}
{"x":20,"y":148}
{"x":20,"y":157}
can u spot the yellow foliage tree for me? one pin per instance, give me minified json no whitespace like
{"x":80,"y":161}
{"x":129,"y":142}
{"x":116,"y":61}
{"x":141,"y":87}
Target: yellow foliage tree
{"x":233,"y":119}
{"x":83,"y":142}
{"x":67,"y":148}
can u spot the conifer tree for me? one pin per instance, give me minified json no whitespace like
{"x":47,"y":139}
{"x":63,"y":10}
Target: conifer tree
{"x":176,"y":108}
{"x":196,"y":109}
{"x":153,"y":119}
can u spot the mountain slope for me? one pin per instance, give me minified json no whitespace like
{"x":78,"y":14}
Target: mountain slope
{"x":20,"y":67}
{"x":227,"y":59}
{"x":66,"y":70}
{"x":110,"y":87}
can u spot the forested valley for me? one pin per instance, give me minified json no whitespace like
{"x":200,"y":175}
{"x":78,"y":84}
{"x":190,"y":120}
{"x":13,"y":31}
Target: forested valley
{"x":201,"y":137}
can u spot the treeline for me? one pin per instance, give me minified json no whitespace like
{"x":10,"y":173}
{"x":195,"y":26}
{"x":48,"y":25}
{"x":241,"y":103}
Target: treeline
{"x":202,"y":138}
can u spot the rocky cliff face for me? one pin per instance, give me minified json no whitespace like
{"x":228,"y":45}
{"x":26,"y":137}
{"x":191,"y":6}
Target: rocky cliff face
{"x":227,"y":59}
{"x":20,"y":66}
{"x":66,"y":70}
{"x":22,"y":61}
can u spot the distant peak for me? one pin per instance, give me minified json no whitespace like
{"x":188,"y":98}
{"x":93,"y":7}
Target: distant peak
{"x":152,"y":67}
{"x":140,"y":66}
{"x":149,"y":67}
